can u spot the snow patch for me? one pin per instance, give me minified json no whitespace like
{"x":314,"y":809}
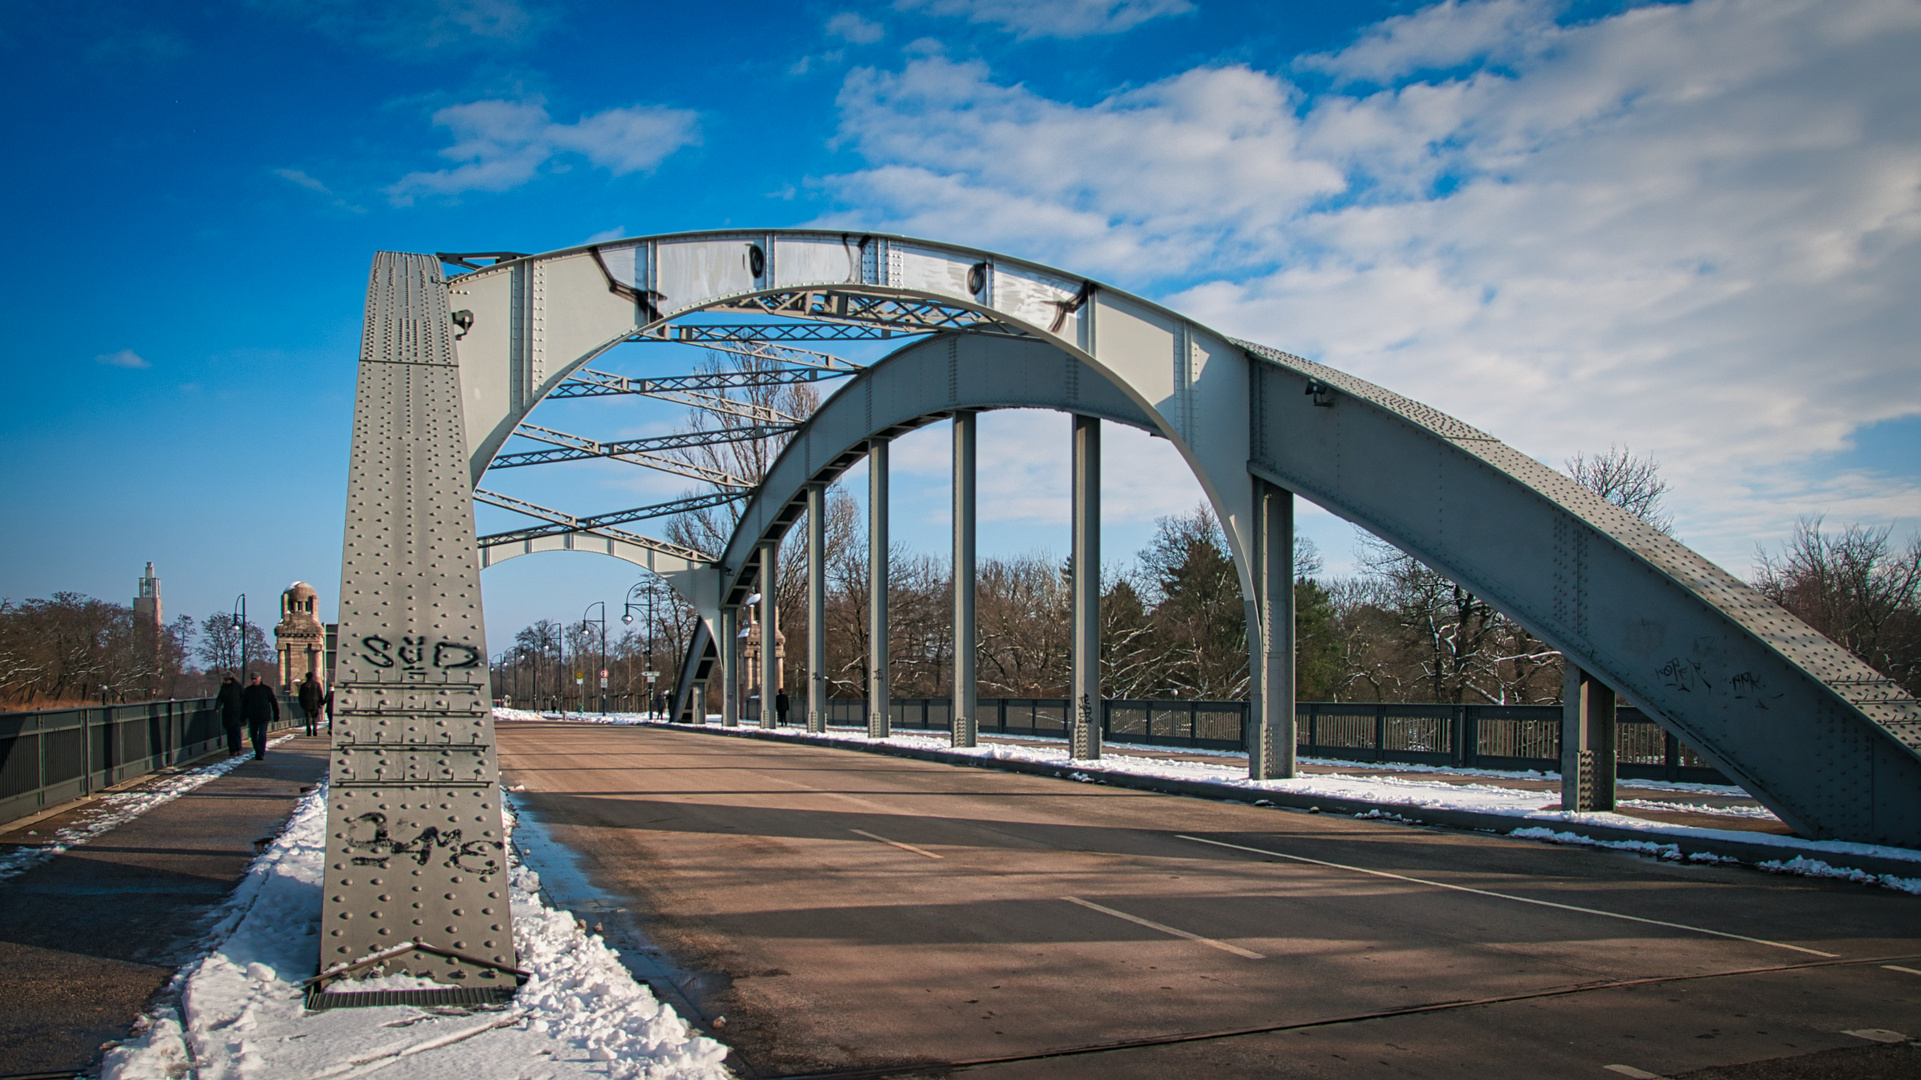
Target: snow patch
{"x":236,"y":1013}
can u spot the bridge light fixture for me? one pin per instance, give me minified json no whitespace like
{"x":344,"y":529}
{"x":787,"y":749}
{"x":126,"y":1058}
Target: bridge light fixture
{"x":1322,"y":393}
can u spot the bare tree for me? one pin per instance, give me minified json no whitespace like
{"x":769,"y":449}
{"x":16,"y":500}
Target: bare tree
{"x":1632,"y":483}
{"x":1856,"y":587}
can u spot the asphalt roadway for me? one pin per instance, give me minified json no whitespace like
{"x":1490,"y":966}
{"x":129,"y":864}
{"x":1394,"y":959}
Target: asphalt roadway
{"x":859,"y":914}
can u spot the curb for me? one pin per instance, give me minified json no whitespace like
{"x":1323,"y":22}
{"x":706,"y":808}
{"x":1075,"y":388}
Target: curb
{"x":1465,"y":820}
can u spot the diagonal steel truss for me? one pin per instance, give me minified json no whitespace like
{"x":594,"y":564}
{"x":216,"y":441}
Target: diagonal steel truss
{"x":590,"y":383}
{"x":559,"y":522}
{"x":908,"y":314}
{"x":579,"y":449}
{"x":572,"y":525}
{"x":590,"y":448}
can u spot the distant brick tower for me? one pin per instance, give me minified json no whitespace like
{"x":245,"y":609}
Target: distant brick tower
{"x":146,"y":629}
{"x":300,"y":639}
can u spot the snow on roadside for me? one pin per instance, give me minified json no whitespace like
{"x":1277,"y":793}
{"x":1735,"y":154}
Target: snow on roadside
{"x":236,"y":1013}
{"x":1392,"y":791}
{"x":116,"y":808}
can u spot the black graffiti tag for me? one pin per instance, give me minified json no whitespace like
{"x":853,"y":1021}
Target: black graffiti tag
{"x":472,"y":856}
{"x":413,"y":654}
{"x":374,"y":651}
{"x":448,"y":655}
{"x":1685,"y":676}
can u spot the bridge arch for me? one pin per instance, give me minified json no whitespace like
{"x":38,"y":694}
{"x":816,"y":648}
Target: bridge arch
{"x":451,"y":367}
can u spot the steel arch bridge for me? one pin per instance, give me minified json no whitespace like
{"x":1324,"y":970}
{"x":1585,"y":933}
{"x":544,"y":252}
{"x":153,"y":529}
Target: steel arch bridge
{"x":451,"y":368}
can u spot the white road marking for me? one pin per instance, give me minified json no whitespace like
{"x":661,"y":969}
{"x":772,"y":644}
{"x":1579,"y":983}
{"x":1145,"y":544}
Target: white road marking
{"x":1880,"y":1035}
{"x":1904,"y":970}
{"x":1152,"y":925}
{"x":897,"y":843}
{"x":1629,"y":1070}
{"x":1518,"y":899}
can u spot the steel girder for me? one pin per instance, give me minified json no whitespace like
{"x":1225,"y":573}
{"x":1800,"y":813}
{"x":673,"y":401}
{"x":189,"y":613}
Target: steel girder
{"x":415,"y":856}
{"x":1833,"y":750}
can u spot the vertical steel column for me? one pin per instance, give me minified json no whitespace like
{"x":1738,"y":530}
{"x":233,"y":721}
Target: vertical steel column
{"x":769,"y":631}
{"x":817,"y":607}
{"x":1587,"y":743}
{"x":1084,"y":706}
{"x":1271,"y":743}
{"x":414,"y":837}
{"x":729,"y":666}
{"x":879,"y":691}
{"x":700,"y":702}
{"x":966,"y":724}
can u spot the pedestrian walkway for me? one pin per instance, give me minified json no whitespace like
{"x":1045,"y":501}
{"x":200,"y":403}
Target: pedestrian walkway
{"x":87,"y":938}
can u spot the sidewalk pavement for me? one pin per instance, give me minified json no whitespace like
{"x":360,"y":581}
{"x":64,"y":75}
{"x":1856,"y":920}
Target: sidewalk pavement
{"x":88,"y":938}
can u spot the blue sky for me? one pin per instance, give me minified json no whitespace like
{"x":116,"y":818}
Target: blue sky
{"x":1693,"y":229}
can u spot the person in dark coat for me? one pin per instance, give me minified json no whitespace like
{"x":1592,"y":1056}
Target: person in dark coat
{"x":228,"y":702}
{"x":261,"y":708}
{"x":311,"y":700}
{"x":781,"y":705}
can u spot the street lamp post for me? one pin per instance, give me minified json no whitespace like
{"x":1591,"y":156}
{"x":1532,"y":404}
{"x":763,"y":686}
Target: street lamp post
{"x":240,"y":636}
{"x":627,"y":616}
{"x":584,"y":624}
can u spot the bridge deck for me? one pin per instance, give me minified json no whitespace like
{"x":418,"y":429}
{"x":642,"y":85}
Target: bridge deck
{"x":858,"y":910}
{"x":87,"y":938}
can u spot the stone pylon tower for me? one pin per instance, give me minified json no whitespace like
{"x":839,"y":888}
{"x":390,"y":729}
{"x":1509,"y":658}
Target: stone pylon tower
{"x":416,"y":877}
{"x":299,"y":638}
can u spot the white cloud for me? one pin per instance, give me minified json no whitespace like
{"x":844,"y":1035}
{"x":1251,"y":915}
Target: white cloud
{"x":125,"y":358}
{"x":1691,"y":228}
{"x":851,"y":28}
{"x":295,"y":176}
{"x":1445,"y":35}
{"x":618,"y":232}
{"x":1053,"y":18}
{"x":503,"y":144}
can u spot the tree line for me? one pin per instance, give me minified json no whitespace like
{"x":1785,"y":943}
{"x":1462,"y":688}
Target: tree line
{"x":72,"y":649}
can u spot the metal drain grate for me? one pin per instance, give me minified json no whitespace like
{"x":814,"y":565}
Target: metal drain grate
{"x":318,"y":999}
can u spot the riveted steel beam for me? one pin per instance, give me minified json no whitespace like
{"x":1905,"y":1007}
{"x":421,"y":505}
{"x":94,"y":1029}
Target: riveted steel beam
{"x":589,"y":383}
{"x":588,"y":448}
{"x":683,"y":440}
{"x":415,"y":852}
{"x":717,"y":334}
{"x":561,"y":523}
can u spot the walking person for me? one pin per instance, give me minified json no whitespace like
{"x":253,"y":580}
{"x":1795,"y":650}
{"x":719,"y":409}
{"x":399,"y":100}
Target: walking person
{"x":311,"y":700}
{"x":261,"y":708}
{"x":781,"y":705}
{"x":228,"y":702}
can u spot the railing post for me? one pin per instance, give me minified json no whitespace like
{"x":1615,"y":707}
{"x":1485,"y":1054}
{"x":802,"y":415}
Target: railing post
{"x":816,"y":608}
{"x":1270,"y":750}
{"x":1084,"y":695}
{"x":730,"y":666}
{"x":1587,"y":743}
{"x":770,"y":674}
{"x":879,"y":688}
{"x":1380,"y":732}
{"x":965,"y":725}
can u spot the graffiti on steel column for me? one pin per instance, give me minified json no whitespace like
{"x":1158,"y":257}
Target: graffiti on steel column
{"x":472,"y":856}
{"x":414,"y":655}
{"x":1692,"y":677}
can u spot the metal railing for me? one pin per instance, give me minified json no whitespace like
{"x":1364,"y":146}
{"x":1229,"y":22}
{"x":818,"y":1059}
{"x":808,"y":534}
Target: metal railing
{"x":1509,"y":737}
{"x":54,"y":756}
